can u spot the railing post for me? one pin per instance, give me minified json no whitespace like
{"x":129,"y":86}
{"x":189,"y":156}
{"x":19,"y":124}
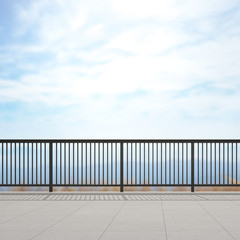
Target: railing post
{"x":121,"y":167}
{"x":50,"y":168}
{"x":192,"y":167}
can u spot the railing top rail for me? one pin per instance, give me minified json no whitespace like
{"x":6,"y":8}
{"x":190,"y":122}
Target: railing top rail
{"x":120,"y":140}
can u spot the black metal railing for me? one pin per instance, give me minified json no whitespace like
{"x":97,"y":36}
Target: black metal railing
{"x":120,"y":163}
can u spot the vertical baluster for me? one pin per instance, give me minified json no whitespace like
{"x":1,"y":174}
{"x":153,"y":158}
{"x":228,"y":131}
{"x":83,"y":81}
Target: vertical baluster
{"x":148,"y":162}
{"x":116,"y":164}
{"x":206,"y":163}
{"x":157,"y":163}
{"x":77,"y":163}
{"x":2,"y":163}
{"x":198,"y":164}
{"x":103,"y":162}
{"x":210,"y":163}
{"x":178,"y":161}
{"x":56,"y":162}
{"x":73,"y":158}
{"x":182,"y":164}
{"x":232,"y":163}
{"x":94,"y":163}
{"x":236,"y":163}
{"x":111,"y":163}
{"x":131,"y":161}
{"x":81,"y":163}
{"x":28,"y":162}
{"x":223,"y":163}
{"x":165,"y":163}
{"x":15,"y":170}
{"x":32,"y":164}
{"x":23,"y":163}
{"x":152,"y":163}
{"x":219,"y":158}
{"x":174,"y":163}
{"x":169,"y":145}
{"x":127,"y":163}
{"x":40,"y":163}
{"x":90,"y":163}
{"x":19,"y":163}
{"x":140,"y":163}
{"x":99,"y":163}
{"x":107,"y":163}
{"x":192,"y":167}
{"x":11,"y":162}
{"x":187,"y":163}
{"x":121,"y":167}
{"x":69,"y":163}
{"x":215,"y":163}
{"x":202,"y":163}
{"x":228,"y":160}
{"x":161,"y":164}
{"x":60,"y":163}
{"x":86,"y":162}
{"x":50,"y":167}
{"x":135,"y":163}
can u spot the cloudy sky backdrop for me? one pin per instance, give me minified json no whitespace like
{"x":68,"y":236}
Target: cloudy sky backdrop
{"x":119,"y":69}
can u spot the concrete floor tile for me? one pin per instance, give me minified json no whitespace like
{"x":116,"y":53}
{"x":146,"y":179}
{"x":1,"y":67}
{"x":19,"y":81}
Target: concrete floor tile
{"x":209,"y":225}
{"x":133,"y":235}
{"x":198,"y":235}
{"x":19,"y":235}
{"x":235,"y":234}
{"x":137,"y":225}
{"x":130,"y":219}
{"x":58,"y":209}
{"x":69,"y":235}
{"x":230,"y":225}
{"x":82,"y":224}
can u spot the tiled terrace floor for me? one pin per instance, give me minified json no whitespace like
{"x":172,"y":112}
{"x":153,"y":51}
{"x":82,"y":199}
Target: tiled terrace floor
{"x":125,"y":216}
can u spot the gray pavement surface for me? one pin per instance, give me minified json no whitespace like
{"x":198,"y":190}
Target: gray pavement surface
{"x":125,"y":216}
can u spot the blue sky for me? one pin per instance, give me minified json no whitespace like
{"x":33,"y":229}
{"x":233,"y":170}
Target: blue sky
{"x":119,"y":69}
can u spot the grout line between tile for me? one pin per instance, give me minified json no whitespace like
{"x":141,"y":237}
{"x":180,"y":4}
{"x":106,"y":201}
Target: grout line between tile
{"x":216,"y":221}
{"x":112,"y":220}
{"x":60,"y":220}
{"x":23,"y":214}
{"x":165,"y":227}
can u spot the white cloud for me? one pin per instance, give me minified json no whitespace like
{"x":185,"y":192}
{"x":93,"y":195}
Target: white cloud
{"x":75,"y":53}
{"x":172,"y":9}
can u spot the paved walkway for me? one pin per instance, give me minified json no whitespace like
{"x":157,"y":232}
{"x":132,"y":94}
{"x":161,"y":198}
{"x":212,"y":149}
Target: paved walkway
{"x":125,"y":216}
